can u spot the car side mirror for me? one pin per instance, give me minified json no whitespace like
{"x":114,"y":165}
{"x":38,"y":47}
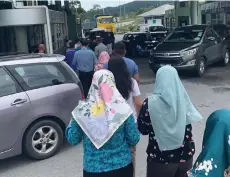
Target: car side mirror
{"x":211,"y":38}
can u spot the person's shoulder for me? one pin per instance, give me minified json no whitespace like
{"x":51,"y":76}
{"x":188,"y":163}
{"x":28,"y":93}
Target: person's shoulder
{"x":90,"y":51}
{"x":129,"y":60}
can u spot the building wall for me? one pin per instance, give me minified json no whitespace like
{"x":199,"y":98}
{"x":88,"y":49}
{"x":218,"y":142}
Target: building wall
{"x":183,"y":9}
{"x":170,"y":19}
{"x":181,"y":15}
{"x":216,"y":12}
{"x":25,"y":38}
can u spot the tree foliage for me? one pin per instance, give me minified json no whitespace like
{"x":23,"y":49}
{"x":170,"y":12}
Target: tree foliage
{"x":75,"y":7}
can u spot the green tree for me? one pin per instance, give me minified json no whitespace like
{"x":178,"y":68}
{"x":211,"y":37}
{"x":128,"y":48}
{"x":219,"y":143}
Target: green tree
{"x":76,"y":9}
{"x":96,"y":7}
{"x":92,"y":12}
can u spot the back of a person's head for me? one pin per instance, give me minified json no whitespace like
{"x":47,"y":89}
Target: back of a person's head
{"x":84,"y":42}
{"x":100,"y":40}
{"x":77,"y":40}
{"x":71,"y":45}
{"x":41,"y":46}
{"x":119,"y":48}
{"x":121,"y":74}
{"x":93,"y":38}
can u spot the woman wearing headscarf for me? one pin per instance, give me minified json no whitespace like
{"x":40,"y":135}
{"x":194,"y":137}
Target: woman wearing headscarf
{"x":129,"y":89}
{"x":105,"y":123}
{"x":166,"y":117}
{"x":102,"y":60}
{"x":214,"y":158}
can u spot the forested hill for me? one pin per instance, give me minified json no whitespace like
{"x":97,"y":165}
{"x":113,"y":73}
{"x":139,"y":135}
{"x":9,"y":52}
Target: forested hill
{"x":134,"y":6}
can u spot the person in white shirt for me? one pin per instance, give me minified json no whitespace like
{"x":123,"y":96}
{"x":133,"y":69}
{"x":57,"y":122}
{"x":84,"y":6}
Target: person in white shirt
{"x":128,"y":88}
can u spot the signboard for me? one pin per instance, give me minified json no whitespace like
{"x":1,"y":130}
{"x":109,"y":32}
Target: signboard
{"x":213,"y":7}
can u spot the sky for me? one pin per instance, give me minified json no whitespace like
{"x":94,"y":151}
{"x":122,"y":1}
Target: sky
{"x":88,"y":4}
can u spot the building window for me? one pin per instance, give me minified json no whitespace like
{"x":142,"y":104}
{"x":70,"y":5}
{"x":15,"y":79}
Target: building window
{"x":168,"y":23}
{"x":208,"y":18}
{"x":182,"y":4}
{"x":220,"y":18}
{"x":228,"y":19}
{"x":214,"y":18}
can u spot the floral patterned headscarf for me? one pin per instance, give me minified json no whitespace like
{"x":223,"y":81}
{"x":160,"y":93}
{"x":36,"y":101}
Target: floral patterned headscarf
{"x":104,"y":110}
{"x":214,"y":158}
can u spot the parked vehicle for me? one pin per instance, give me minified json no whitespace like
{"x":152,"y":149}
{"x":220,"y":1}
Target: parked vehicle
{"x":106,"y":21}
{"x":158,"y":33}
{"x":223,"y":32}
{"x":190,"y":48}
{"x":37,"y":95}
{"x":138,"y":43}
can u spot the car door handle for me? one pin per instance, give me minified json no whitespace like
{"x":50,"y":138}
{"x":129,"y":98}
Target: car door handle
{"x":18,"y":101}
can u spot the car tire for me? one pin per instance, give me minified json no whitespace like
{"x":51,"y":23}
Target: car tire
{"x":45,"y":133}
{"x":200,"y":67}
{"x":226,"y":58}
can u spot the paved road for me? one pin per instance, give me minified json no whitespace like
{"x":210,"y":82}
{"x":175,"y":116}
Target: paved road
{"x":208,"y":93}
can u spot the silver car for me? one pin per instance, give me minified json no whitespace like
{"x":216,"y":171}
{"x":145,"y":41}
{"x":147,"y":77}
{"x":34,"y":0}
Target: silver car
{"x":37,"y":95}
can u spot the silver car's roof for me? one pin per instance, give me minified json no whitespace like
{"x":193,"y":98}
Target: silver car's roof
{"x":29,"y":59}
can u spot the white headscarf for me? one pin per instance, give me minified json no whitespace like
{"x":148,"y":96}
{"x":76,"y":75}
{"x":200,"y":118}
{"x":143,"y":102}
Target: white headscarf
{"x":104,"y":111}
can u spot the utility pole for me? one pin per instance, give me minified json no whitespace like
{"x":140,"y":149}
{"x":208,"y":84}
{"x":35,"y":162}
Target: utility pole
{"x":124,"y":9}
{"x":120,"y":7}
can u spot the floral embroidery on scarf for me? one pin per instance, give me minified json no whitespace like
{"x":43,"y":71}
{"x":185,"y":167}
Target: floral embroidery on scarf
{"x":204,"y":167}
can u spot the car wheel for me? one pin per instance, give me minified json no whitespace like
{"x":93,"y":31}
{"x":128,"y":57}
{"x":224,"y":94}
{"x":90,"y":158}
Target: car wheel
{"x":225,"y":61}
{"x":200,"y":67}
{"x":43,"y":140}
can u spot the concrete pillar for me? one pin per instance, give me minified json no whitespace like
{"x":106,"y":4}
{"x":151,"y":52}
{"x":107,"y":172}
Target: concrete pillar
{"x":21,"y":39}
{"x":225,"y":18}
{"x":194,"y":12}
{"x":47,"y":42}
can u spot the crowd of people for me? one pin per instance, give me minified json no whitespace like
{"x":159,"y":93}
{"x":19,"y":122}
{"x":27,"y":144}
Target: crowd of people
{"x":112,"y":117}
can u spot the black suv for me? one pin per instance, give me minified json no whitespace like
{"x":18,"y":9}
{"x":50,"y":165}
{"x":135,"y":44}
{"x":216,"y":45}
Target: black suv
{"x":138,"y":43}
{"x":190,"y":48}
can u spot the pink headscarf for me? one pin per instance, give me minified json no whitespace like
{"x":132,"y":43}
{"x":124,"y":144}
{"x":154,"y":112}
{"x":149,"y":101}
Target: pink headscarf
{"x":103,"y":59}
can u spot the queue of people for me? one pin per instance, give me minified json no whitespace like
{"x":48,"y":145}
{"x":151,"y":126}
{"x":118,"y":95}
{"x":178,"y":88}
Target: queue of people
{"x":112,"y":117}
{"x":85,"y":57}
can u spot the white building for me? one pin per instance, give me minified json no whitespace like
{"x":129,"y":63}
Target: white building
{"x":156,"y":13}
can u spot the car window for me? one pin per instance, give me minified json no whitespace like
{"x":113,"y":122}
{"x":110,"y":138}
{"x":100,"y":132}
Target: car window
{"x":7,"y":85}
{"x":221,"y":30}
{"x":209,"y":33}
{"x":185,"y":36}
{"x":156,"y":28}
{"x":40,"y":75}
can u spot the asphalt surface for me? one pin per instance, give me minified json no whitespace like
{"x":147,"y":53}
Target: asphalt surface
{"x":209,"y":93}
